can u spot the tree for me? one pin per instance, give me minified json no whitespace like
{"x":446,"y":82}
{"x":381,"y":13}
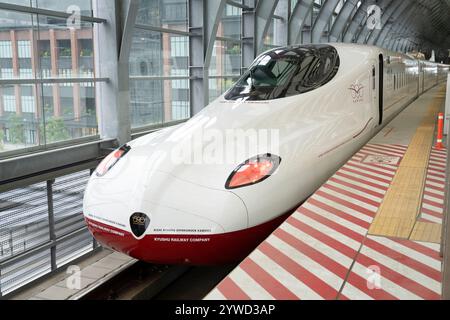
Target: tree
{"x":56,"y":130}
{"x":16,"y":129}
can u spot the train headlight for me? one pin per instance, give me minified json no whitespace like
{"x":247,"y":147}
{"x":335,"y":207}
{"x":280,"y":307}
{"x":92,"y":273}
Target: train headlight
{"x":111,"y":160}
{"x":253,"y":171}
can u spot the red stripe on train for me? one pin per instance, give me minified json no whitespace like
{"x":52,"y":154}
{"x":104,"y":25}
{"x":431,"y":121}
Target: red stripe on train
{"x":185,"y":249}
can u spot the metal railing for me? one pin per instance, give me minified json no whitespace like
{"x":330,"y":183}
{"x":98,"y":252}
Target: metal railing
{"x":41,"y":230}
{"x":42,"y":226}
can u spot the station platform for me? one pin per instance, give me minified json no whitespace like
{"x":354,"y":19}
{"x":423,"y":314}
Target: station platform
{"x":372,"y":231}
{"x":84,"y":276}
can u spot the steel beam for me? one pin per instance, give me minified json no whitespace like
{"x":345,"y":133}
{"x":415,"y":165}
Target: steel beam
{"x":113,"y":62}
{"x":386,"y":35}
{"x":354,"y":23}
{"x":128,"y":20}
{"x":398,"y":45}
{"x":362,"y":29}
{"x":341,"y":21}
{"x":240,"y":5}
{"x":46,"y":165}
{"x":385,"y":6}
{"x":196,"y":56}
{"x":298,"y":18}
{"x":263,"y":15}
{"x":45,"y":12}
{"x":212,"y":13}
{"x":281,"y":34}
{"x":51,"y":80}
{"x":413,"y":24}
{"x":392,"y":12}
{"x":161,"y":78}
{"x":248,"y":46}
{"x":141,"y":26}
{"x":402,"y":45}
{"x":325,"y":13}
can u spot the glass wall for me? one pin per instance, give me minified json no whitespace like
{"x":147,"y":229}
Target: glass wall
{"x":272,"y":38}
{"x":225,"y":67}
{"x":47,"y":78}
{"x":37,"y":107}
{"x":159,"y":64}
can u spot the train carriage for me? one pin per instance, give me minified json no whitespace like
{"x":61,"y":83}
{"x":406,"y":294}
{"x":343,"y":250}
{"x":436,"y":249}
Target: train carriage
{"x":323,"y":101}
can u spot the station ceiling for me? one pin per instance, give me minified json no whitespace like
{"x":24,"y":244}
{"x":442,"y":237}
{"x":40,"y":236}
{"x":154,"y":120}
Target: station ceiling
{"x":404,"y":25}
{"x":425,"y":23}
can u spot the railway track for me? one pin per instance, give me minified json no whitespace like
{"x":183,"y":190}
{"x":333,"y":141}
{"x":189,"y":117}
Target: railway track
{"x":143,"y":281}
{"x":138,"y":281}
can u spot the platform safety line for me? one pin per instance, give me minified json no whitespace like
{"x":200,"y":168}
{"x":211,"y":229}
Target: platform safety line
{"x":432,"y":208}
{"x":398,"y":214}
{"x":310,"y":255}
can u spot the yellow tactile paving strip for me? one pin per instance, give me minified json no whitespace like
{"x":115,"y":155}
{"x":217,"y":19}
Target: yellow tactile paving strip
{"x":426,"y":231}
{"x":397,"y":215}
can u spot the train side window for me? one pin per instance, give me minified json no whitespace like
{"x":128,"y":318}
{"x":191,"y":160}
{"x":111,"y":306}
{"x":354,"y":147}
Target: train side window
{"x":395,"y":82}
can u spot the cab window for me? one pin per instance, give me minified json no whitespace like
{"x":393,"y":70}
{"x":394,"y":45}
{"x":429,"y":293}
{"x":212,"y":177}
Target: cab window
{"x":286,"y":72}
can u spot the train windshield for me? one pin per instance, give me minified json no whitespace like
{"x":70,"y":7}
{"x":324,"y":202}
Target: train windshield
{"x":286,"y":72}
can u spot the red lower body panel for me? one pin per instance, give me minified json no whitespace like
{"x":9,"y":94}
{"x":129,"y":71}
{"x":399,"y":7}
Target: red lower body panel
{"x":185,"y":249}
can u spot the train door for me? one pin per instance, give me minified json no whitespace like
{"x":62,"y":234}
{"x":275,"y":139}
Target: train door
{"x":380,"y":87}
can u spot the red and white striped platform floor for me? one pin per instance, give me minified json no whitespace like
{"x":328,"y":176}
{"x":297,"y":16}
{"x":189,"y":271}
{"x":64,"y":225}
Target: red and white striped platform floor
{"x":433,"y":199}
{"x":323,"y":251}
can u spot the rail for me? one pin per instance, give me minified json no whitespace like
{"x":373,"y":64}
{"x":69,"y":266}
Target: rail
{"x":135,"y":281}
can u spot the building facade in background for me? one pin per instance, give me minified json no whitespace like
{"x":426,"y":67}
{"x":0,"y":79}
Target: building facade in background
{"x":35,"y":50}
{"x":41,"y":49}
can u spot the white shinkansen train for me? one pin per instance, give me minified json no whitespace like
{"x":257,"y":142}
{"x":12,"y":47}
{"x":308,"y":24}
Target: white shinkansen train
{"x":324,"y":101}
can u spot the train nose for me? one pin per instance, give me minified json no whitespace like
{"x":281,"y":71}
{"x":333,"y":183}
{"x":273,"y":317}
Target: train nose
{"x":163,"y":220}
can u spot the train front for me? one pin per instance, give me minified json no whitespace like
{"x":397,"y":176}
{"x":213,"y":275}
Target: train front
{"x":148,"y":202}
